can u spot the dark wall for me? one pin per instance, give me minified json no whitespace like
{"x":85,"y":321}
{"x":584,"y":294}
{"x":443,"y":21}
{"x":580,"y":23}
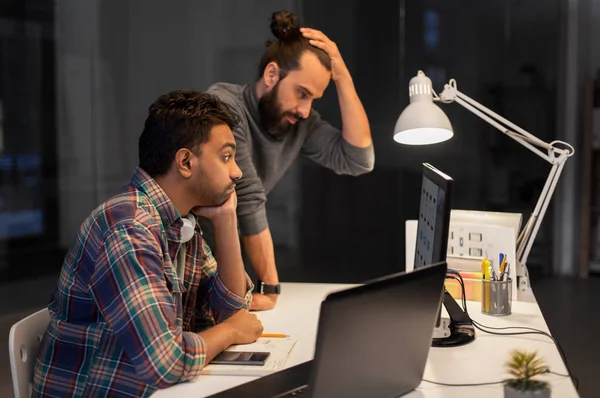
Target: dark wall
{"x":504,"y":56}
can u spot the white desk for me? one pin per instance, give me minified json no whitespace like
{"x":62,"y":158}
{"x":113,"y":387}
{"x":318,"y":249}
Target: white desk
{"x":483,"y":360}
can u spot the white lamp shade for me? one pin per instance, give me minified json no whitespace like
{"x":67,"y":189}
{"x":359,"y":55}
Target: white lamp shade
{"x":422,"y":123}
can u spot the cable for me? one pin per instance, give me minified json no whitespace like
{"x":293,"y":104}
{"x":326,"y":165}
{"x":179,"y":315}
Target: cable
{"x":488,"y":329}
{"x":454,"y":274}
{"x":485,"y":329}
{"x":460,"y":281}
{"x":491,"y":383}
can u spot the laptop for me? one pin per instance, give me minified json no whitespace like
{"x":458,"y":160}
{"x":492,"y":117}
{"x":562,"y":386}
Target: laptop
{"x":372,"y":341}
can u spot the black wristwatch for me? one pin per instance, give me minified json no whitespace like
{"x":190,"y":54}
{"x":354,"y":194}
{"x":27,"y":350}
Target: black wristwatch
{"x":263,"y":288}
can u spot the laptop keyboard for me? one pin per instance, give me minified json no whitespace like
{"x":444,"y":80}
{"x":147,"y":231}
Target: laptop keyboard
{"x":298,"y":392}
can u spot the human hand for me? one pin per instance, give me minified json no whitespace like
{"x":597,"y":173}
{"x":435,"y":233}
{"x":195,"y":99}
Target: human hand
{"x":320,"y":40}
{"x":262,"y":302}
{"x":213,"y":213}
{"x":246,"y":326}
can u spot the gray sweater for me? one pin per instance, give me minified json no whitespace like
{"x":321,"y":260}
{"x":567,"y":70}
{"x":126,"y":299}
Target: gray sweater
{"x":264,"y":159}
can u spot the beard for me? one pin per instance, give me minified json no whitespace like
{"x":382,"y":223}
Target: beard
{"x":223,"y":196}
{"x":212,"y":196}
{"x":272,"y":116}
{"x":226,"y":194}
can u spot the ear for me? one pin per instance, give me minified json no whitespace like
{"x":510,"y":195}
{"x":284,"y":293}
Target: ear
{"x":271,"y":74}
{"x":183,"y":162}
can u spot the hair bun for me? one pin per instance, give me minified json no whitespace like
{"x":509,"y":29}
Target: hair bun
{"x":284,"y":25}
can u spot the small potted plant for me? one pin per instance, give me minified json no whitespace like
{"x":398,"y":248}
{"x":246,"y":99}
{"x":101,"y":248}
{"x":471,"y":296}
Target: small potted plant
{"x":525,"y":367}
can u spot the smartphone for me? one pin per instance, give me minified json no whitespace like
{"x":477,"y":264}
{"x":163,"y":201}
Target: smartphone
{"x":241,"y":358}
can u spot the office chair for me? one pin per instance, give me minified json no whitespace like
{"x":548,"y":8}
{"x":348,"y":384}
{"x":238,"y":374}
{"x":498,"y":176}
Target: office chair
{"x":23,"y":343}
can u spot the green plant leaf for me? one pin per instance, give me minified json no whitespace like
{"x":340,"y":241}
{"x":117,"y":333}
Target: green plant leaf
{"x":524,"y":367}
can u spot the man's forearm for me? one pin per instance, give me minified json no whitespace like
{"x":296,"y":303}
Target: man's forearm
{"x":259,"y":249}
{"x":229,"y":255}
{"x":355,"y":124}
{"x":217,"y":339}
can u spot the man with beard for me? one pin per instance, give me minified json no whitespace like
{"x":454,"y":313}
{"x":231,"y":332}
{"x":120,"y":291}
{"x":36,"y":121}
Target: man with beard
{"x":278,"y":123}
{"x":139,"y":273}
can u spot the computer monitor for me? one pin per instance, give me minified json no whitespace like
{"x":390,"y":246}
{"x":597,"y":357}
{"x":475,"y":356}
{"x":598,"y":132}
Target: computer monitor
{"x":434,"y":217}
{"x":433,"y":227}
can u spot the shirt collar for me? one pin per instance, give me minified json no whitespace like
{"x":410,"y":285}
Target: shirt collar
{"x":165,"y":207}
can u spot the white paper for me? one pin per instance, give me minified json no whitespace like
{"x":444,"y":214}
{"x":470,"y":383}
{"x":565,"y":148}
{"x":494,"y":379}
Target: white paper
{"x":279,"y":348}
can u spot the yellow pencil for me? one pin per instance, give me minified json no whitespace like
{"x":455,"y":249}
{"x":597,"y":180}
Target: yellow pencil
{"x":483,"y":267}
{"x":274,"y":335}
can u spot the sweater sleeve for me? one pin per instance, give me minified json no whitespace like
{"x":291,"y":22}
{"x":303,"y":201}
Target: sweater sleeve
{"x":326,"y":145}
{"x":252,"y":198}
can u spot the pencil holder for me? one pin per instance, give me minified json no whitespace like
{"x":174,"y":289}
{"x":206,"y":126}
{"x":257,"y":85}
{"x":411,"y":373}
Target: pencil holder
{"x":496,"y":297}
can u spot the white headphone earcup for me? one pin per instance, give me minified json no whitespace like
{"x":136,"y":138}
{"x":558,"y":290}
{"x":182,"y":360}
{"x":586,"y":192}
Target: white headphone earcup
{"x":188,"y":228}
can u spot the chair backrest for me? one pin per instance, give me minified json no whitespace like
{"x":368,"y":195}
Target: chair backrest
{"x":23,"y":343}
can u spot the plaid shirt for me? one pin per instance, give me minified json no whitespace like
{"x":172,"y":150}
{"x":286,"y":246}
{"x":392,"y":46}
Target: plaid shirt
{"x":121,"y":320}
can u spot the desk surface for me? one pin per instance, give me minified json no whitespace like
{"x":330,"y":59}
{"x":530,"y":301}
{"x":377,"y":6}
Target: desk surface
{"x":483,"y":360}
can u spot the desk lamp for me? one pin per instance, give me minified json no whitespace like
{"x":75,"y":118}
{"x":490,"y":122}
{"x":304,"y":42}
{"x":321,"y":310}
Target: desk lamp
{"x":423,"y":123}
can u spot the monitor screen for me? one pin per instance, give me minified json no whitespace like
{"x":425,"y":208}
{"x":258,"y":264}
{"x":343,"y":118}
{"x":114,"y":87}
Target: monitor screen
{"x":434,"y":217}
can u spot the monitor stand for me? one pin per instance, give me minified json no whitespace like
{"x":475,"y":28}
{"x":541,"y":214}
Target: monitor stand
{"x":456,"y":331}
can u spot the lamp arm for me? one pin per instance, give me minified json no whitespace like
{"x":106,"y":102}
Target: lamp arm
{"x":453,"y":91}
{"x":530,"y":231}
{"x":523,"y":137}
{"x":506,"y":131}
{"x":556,"y":156}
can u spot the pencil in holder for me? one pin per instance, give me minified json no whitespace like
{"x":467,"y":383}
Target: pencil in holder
{"x":496,"y":297}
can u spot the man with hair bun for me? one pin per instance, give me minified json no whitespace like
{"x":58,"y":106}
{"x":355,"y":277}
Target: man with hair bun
{"x":278,"y":123}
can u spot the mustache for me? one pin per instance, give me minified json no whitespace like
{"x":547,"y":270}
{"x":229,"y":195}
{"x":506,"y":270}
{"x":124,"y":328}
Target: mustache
{"x":295,"y":115}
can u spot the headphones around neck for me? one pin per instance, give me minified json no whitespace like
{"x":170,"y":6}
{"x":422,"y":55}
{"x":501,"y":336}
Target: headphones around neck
{"x":188,"y":228}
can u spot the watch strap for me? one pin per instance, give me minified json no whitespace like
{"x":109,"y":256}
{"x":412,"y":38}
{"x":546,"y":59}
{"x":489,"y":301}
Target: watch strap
{"x":264,"y":288}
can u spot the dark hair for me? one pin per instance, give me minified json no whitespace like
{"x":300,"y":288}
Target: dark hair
{"x":289,"y":46}
{"x":179,"y":119}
